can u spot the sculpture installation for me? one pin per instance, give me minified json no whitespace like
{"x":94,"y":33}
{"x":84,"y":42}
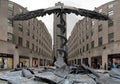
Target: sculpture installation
{"x":60,"y":10}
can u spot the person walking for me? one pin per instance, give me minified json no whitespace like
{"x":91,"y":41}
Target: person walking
{"x":98,"y":65}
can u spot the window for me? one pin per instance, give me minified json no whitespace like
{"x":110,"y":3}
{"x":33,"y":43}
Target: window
{"x":110,"y":13}
{"x":92,"y":44}
{"x":6,"y":62}
{"x":33,"y":27}
{"x":27,"y":44}
{"x":99,"y":27}
{"x":10,"y":12}
{"x":33,"y":36}
{"x":87,"y":47}
{"x":80,"y":41}
{"x":36,"y":39}
{"x":83,"y":39}
{"x":28,"y":32}
{"x":80,"y":50}
{"x":87,"y":36}
{"x":20,"y":41}
{"x":111,"y":37}
{"x":10,"y":22}
{"x":110,"y":23}
{"x":10,"y":4}
{"x":79,"y":61}
{"x":92,"y":32}
{"x":20,"y":10}
{"x":20,"y":27}
{"x":33,"y":47}
{"x":36,"y":48}
{"x":83,"y":48}
{"x":110,"y":6}
{"x":28,"y":23}
{"x":100,"y":41}
{"x":10,"y":37}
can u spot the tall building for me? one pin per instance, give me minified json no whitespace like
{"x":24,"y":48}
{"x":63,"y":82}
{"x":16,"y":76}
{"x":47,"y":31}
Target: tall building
{"x":22,"y":42}
{"x":94,"y":41}
{"x":56,"y":31}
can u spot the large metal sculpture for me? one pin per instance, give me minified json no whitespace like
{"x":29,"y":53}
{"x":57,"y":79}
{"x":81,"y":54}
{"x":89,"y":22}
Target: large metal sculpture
{"x":60,"y":10}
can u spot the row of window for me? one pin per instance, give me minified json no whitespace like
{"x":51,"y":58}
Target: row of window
{"x":20,"y":42}
{"x":100,"y":43}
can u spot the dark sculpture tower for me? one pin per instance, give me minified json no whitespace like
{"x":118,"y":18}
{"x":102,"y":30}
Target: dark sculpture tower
{"x":57,"y":41}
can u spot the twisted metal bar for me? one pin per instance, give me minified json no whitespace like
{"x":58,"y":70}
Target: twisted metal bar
{"x":57,"y":9}
{"x":62,"y":37}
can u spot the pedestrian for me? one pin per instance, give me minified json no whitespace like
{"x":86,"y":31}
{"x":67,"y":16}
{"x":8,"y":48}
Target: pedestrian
{"x":18,"y":65}
{"x":105,"y":66}
{"x":98,"y":65}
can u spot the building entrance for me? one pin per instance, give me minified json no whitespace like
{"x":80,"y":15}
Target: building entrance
{"x":96,"y":62}
{"x":115,"y":59}
{"x":24,"y":61}
{"x":34,"y":62}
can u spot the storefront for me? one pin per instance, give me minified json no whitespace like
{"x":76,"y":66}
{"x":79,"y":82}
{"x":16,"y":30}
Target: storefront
{"x":34,"y":62}
{"x":95,"y":61}
{"x":45,"y":61}
{"x":24,"y":61}
{"x":75,"y":61}
{"x":114,"y":58}
{"x":41,"y":62}
{"x":79,"y":61}
{"x":85,"y":61}
{"x":6,"y":61}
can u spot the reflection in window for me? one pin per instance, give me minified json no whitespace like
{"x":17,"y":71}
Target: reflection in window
{"x":10,"y":22}
{"x":110,"y":23}
{"x":99,"y":27}
{"x":6,"y":63}
{"x":110,"y":6}
{"x":20,"y":27}
{"x":10,"y":37}
{"x":10,"y":4}
{"x":110,"y":13}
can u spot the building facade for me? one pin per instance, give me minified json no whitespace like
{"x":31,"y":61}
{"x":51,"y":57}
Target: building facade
{"x":95,"y":41}
{"x":27,"y":43}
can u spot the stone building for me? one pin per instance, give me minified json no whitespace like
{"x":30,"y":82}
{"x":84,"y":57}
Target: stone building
{"x":27,"y":43}
{"x":94,"y":41}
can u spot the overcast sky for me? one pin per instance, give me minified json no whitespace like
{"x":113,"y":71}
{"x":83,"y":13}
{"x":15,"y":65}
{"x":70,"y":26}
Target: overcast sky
{"x":71,"y":19}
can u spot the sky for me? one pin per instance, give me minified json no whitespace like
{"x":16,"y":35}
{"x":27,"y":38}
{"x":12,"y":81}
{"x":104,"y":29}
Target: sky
{"x":71,"y":18}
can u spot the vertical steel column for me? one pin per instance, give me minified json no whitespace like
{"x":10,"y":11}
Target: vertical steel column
{"x":63,"y":40}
